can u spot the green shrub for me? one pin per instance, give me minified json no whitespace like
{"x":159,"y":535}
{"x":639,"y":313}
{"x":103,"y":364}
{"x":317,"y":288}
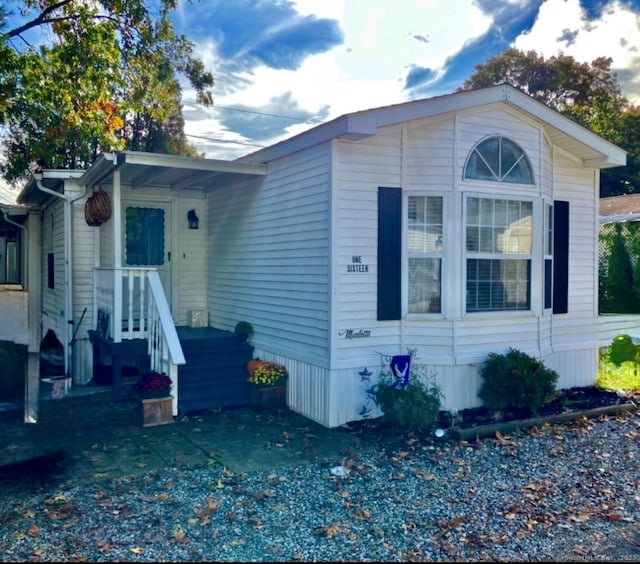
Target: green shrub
{"x":622,"y":350}
{"x":243,"y":329}
{"x":516,"y":380}
{"x":414,"y":408}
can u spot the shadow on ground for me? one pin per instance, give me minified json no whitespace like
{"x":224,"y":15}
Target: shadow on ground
{"x":89,"y":437}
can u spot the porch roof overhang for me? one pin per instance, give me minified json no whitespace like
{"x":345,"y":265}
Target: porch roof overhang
{"x":173,"y":171}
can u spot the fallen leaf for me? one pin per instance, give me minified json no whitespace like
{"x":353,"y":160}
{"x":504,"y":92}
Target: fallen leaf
{"x":328,"y":531}
{"x":238,"y":542}
{"x":103,"y":546}
{"x":362,"y":514}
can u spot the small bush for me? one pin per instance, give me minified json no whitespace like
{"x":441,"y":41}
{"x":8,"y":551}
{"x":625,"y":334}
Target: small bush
{"x":622,"y":350}
{"x":516,"y":380}
{"x":243,"y":329}
{"x":414,"y":408}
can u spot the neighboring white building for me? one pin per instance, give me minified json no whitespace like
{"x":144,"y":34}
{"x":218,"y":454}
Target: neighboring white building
{"x":457,"y":226}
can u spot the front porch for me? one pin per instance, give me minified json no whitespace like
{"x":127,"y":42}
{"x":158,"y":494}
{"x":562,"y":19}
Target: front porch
{"x":134,"y":324}
{"x":213,"y":376}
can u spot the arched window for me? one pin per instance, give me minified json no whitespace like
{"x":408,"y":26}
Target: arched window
{"x":498,"y":159}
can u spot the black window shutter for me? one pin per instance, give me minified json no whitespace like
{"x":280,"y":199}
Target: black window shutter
{"x":560,"y":257}
{"x":51,"y":272}
{"x":389,"y":253}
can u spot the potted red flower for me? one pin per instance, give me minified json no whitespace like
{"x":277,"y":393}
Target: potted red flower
{"x":153,"y":385}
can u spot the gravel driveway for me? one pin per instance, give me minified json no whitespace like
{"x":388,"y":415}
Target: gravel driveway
{"x":562,"y":493}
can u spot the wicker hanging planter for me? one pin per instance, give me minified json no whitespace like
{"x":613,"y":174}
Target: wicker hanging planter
{"x":97,"y":209}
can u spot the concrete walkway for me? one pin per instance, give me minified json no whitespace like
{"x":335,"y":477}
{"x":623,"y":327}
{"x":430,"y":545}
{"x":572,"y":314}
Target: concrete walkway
{"x":88,"y":437}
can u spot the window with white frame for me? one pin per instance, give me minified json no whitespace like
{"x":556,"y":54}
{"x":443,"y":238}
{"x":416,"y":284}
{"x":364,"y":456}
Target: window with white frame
{"x":548,"y":256}
{"x":498,"y":159}
{"x":424,"y":220}
{"x":10,"y":238}
{"x":498,"y":254}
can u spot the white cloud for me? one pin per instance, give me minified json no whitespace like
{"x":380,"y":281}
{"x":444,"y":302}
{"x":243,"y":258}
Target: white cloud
{"x":615,"y":35}
{"x":384,"y":39}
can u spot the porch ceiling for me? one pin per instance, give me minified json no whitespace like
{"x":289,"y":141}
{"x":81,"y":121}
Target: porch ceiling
{"x":176,"y":172}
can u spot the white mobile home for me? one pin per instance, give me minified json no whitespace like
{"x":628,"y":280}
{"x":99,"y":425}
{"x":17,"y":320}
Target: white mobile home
{"x":456,"y":226}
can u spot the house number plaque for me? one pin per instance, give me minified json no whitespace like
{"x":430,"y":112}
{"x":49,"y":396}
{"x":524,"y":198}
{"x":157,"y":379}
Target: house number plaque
{"x":356,"y":265}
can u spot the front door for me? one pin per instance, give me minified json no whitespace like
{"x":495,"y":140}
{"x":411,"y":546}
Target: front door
{"x":147,"y":239}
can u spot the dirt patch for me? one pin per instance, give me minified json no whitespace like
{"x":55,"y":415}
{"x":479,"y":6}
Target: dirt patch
{"x":565,"y":401}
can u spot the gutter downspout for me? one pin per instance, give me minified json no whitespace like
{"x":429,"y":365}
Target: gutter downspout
{"x":68,"y":251}
{"x":8,"y":219}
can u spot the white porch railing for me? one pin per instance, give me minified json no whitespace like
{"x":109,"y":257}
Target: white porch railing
{"x":121,"y":293}
{"x":134,"y":306}
{"x":165,"y":351}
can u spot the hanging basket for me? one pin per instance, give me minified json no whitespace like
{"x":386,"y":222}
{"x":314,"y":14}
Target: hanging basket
{"x":97,"y":209}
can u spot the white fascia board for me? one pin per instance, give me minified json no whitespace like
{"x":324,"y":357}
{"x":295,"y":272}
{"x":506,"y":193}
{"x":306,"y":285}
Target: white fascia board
{"x":188,"y":163}
{"x":611,"y":155}
{"x":620,"y":218}
{"x":338,"y":127}
{"x":53,"y":179}
{"x":365,"y":123}
{"x":102,"y":166}
{"x":419,"y":109}
{"x":59,"y":174}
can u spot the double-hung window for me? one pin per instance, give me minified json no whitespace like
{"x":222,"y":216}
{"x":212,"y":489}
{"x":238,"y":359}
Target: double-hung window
{"x":9,"y":253}
{"x":498,"y":254}
{"x":499,"y":231}
{"x":424,"y":253}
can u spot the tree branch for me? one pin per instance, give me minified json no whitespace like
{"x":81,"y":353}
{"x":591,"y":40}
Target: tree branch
{"x":41,"y":19}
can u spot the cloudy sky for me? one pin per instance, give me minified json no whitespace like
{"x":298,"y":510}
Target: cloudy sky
{"x":283,"y":66}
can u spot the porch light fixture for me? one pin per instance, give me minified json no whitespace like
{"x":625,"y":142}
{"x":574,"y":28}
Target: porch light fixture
{"x":193,"y":219}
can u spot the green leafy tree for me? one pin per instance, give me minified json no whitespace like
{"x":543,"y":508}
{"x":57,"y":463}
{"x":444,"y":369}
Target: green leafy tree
{"x":107,"y":78}
{"x":619,"y":294}
{"x":587,"y":93}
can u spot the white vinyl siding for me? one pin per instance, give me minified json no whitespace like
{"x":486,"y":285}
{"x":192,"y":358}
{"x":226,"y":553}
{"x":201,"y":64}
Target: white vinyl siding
{"x":190,"y":258}
{"x":450,"y":345}
{"x":576,"y":328}
{"x":268,"y":247}
{"x":53,"y":302}
{"x":359,"y":170}
{"x":83,"y":260}
{"x":13,"y":312}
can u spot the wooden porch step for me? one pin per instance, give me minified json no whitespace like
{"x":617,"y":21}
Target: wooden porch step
{"x":215,"y":373}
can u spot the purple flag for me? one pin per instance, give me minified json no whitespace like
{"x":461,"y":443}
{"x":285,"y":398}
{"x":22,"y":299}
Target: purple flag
{"x":400,"y":365}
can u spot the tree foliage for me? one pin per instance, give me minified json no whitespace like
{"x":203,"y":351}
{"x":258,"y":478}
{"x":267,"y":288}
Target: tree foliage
{"x":619,"y":287}
{"x":107,"y":77}
{"x":587,"y":93}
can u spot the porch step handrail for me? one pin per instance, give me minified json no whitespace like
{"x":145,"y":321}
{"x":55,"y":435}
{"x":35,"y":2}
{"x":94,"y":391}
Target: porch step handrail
{"x":165,"y":350}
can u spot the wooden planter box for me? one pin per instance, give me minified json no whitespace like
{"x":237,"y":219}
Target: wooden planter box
{"x":157,"y":411}
{"x":268,"y":398}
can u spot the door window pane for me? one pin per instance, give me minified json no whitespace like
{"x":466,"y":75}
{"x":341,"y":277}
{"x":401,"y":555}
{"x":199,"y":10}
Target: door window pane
{"x":144,"y":233}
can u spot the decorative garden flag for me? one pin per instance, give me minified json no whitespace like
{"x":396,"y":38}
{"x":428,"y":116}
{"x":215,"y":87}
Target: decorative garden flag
{"x":400,"y":365}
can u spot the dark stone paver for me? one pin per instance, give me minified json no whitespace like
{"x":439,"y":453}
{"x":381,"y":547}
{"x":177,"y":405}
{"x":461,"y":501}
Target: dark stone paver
{"x":89,"y":437}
